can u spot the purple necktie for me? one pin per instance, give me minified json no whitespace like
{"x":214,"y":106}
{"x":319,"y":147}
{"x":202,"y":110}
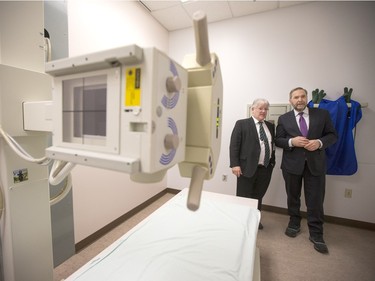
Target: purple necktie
{"x":302,"y":124}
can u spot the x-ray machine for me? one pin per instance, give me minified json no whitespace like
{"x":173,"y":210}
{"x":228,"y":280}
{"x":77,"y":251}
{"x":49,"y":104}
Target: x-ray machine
{"x":129,"y":109}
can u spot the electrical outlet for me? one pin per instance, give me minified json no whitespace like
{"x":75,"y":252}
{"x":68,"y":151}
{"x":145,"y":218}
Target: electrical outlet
{"x":348,"y":193}
{"x":225,"y":177}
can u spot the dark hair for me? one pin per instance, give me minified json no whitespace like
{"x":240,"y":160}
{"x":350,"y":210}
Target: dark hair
{"x":295,"y":89}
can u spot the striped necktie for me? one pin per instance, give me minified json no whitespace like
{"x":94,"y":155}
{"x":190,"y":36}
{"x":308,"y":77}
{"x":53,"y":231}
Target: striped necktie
{"x":263,"y":137}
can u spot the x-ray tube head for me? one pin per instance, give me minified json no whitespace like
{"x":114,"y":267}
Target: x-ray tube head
{"x":122,"y":109}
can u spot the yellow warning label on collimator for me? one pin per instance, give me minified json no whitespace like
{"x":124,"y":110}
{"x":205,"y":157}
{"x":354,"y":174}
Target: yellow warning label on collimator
{"x":133,"y":87}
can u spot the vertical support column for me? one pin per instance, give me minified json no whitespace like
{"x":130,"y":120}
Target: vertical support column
{"x":26,"y":222}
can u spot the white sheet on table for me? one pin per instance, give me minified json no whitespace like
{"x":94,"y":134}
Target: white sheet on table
{"x":216,"y":242}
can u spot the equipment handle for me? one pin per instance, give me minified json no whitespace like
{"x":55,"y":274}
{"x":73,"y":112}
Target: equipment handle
{"x":203,"y":55}
{"x":195,"y":189}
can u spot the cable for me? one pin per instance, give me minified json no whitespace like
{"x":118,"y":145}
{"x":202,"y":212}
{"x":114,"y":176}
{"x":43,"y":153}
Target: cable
{"x":21,"y":152}
{"x":63,"y":192}
{"x":1,"y":202}
{"x":60,"y":169}
{"x":48,"y":49}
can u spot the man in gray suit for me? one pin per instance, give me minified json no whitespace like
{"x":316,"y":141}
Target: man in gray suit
{"x":304,"y":134}
{"x":252,"y":153}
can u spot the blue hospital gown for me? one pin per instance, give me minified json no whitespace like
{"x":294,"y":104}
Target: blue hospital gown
{"x":341,"y":157}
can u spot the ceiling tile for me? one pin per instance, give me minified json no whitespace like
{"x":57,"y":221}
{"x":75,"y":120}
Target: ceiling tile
{"x":174,"y":14}
{"x":283,"y":4}
{"x":173,"y":18}
{"x":158,"y":5}
{"x":242,"y":8}
{"x":215,"y":10}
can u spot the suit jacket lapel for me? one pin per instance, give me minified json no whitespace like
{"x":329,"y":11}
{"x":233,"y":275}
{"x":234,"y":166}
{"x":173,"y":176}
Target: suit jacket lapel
{"x":312,"y":119}
{"x":293,"y":123}
{"x":269,"y":126}
{"x":252,"y":127}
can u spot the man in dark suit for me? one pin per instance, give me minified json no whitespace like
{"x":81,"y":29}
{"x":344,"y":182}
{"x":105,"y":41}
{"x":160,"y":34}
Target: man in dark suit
{"x":252,"y":153}
{"x":303,"y":134}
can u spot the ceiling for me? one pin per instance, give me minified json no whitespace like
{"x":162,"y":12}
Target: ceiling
{"x":177,"y":14}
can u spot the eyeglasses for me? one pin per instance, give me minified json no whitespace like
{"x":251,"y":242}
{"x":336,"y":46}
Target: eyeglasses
{"x":262,"y":109}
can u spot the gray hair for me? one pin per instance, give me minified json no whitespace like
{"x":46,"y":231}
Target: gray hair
{"x":257,"y":102}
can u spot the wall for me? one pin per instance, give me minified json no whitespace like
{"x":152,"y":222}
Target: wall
{"x":56,"y":23}
{"x":100,"y":24}
{"x":101,"y":196}
{"x":325,"y":45}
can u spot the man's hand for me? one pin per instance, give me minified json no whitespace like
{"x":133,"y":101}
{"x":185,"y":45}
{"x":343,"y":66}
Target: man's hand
{"x":312,"y":145}
{"x":237,"y":171}
{"x":300,"y":141}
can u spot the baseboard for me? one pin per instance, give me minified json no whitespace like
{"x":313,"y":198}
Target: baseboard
{"x":101,"y":232}
{"x":172,"y":190}
{"x":104,"y":230}
{"x":330,"y":219}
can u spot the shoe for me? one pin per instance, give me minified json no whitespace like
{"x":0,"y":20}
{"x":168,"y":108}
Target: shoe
{"x":260,"y":226}
{"x":319,"y":245}
{"x":292,"y":231}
